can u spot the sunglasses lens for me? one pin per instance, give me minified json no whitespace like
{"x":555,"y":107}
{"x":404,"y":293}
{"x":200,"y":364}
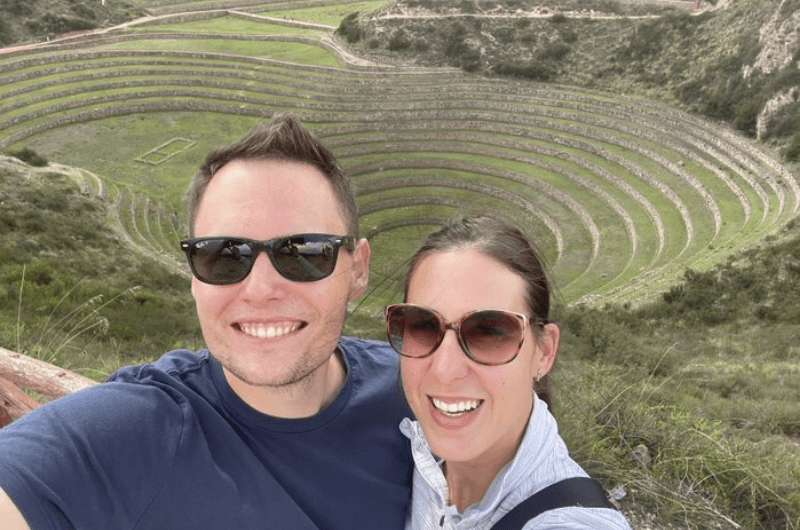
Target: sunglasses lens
{"x":221,"y":261}
{"x":413,"y":331}
{"x":493,"y":337}
{"x":305,"y":258}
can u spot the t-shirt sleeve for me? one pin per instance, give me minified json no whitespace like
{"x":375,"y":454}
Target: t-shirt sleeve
{"x":91,"y":460}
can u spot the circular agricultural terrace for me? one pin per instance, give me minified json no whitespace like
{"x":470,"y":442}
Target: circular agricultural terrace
{"x":621,"y":194}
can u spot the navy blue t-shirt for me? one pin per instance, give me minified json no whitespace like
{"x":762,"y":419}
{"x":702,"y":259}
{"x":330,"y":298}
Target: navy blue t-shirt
{"x":169,"y":446}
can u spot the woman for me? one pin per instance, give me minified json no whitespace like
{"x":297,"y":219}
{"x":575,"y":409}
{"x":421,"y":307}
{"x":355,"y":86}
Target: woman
{"x":495,"y":442}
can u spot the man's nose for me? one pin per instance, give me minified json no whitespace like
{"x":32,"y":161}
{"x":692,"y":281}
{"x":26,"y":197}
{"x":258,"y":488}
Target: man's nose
{"x":263,"y":281}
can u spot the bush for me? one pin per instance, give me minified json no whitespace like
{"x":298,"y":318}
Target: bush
{"x":454,"y":44}
{"x":504,"y":34}
{"x":746,"y":116}
{"x":84,"y":11}
{"x":533,"y":70}
{"x":399,"y":41}
{"x":792,"y":151}
{"x":568,"y":35}
{"x":785,"y":121}
{"x":523,"y":23}
{"x":529,"y":37}
{"x":21,"y":8}
{"x":26,"y":154}
{"x":467,"y":6}
{"x":6,"y":35}
{"x":349,"y":28}
{"x":558,"y":18}
{"x":421,"y":45}
{"x":555,"y":51}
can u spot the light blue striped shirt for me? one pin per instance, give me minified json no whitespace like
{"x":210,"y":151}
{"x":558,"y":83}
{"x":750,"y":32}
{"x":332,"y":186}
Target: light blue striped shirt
{"x":542,"y":459}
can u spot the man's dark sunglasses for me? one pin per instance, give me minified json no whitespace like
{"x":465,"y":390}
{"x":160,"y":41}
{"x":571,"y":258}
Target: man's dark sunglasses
{"x":223,"y":260}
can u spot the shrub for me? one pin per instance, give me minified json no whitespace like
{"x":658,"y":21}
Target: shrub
{"x":26,"y":154}
{"x":21,"y":8}
{"x":555,"y":51}
{"x":558,"y":18}
{"x":454,"y":44}
{"x":84,"y":11}
{"x":6,"y":35}
{"x":746,"y":116}
{"x":533,"y":70}
{"x":785,"y":121}
{"x":399,"y":41}
{"x":504,"y":34}
{"x":421,"y":45}
{"x":792,"y":151}
{"x":349,"y":28}
{"x":529,"y":38}
{"x":467,"y":6}
{"x":568,"y":35}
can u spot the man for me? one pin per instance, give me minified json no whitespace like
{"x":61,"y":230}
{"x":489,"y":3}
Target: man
{"x":281,"y":423}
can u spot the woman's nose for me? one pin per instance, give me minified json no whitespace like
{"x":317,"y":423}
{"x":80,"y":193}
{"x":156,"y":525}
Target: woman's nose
{"x":449,"y":362}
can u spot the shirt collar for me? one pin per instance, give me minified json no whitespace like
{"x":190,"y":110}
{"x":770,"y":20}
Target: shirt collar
{"x":540,"y":434}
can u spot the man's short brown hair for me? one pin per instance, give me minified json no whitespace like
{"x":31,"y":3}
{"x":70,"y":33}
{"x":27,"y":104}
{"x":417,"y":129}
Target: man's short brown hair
{"x":283,"y":138}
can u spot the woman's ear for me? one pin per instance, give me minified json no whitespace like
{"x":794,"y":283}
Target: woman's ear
{"x":360,"y":269}
{"x":547,"y":343}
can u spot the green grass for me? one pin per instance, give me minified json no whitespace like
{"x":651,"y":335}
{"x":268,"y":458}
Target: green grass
{"x":228,"y":24}
{"x":280,"y":51}
{"x":122,"y":139}
{"x":330,"y":15}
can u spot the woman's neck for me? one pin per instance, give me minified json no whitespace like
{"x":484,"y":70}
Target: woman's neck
{"x":467,"y":482}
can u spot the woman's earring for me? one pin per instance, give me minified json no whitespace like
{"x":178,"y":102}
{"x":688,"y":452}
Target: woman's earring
{"x":539,"y":375}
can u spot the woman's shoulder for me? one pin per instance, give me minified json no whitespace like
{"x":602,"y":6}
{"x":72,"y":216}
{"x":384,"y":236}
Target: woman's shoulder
{"x":579,"y":518}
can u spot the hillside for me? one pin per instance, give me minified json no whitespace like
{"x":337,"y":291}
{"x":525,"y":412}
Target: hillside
{"x":734,"y":61}
{"x":36,"y":20}
{"x":72,"y":292}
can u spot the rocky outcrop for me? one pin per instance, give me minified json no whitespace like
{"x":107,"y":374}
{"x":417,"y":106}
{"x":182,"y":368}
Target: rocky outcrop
{"x":779,"y":39}
{"x":773,"y":108}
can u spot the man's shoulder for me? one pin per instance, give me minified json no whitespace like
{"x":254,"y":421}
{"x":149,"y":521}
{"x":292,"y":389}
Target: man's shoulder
{"x":375,"y":373}
{"x":370,"y":360}
{"x":135,"y":397}
{"x":375,"y":352}
{"x":176,"y":364}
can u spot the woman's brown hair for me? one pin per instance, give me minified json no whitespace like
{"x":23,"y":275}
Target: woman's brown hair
{"x":509,"y":246}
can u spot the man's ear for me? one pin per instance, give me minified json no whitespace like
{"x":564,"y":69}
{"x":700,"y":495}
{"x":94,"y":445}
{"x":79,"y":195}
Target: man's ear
{"x":360,"y":270}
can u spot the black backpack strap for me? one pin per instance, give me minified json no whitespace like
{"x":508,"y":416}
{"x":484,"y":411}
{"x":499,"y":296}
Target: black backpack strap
{"x":577,"y":491}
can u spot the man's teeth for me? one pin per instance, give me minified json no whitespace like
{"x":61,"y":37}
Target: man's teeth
{"x":456,"y":408}
{"x":268,"y":331}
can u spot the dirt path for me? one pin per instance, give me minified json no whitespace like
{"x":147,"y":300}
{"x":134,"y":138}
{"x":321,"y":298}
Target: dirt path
{"x":531,"y":14}
{"x":69,"y":37}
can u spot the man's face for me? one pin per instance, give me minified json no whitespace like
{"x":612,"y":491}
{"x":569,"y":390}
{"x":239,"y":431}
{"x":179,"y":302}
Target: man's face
{"x":267,"y":330}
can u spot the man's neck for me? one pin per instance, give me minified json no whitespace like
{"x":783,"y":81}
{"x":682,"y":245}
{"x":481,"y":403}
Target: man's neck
{"x":302,"y":399}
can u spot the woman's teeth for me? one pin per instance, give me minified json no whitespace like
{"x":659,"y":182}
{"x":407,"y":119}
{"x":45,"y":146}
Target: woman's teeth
{"x":265,"y":331}
{"x":456,"y":408}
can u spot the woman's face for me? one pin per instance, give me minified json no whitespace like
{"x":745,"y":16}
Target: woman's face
{"x":454,"y":283}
